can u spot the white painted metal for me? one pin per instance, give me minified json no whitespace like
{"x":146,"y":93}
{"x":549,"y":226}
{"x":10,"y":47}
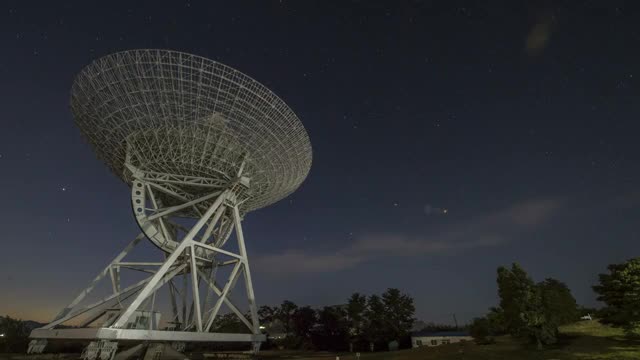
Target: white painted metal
{"x":150,"y":335}
{"x":228,"y":302}
{"x":192,"y":255}
{"x":194,"y":285}
{"x":195,"y":140}
{"x":36,"y":346}
{"x":186,"y":242}
{"x":97,"y":279}
{"x":74,"y":314}
{"x":247,"y":274}
{"x":188,"y":119}
{"x":223,"y":295}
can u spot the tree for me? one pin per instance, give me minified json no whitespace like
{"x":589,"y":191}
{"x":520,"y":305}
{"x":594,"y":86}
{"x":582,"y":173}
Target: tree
{"x":560,"y":305}
{"x":513,"y":286}
{"x":480,"y":330}
{"x":537,"y":324}
{"x":356,"y":307}
{"x":620,"y":291}
{"x":285,"y":315}
{"x":267,"y":314}
{"x":229,"y":323}
{"x":399,"y":310}
{"x":15,"y":335}
{"x":496,"y":320}
{"x":525,"y":310}
{"x":270,"y":323}
{"x":304,"y":319}
{"x":485,"y":329}
{"x":375,"y":330}
{"x":333,"y":331}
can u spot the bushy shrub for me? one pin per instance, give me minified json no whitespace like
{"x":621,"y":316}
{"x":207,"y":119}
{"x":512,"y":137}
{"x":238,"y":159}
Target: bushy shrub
{"x":15,"y":337}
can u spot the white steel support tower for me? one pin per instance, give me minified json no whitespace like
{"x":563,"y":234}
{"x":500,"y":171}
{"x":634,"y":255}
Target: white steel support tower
{"x":196,"y":255}
{"x":200,"y":145}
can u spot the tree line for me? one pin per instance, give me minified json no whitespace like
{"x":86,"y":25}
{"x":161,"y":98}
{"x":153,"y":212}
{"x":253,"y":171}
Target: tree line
{"x":535,"y":311}
{"x":364,"y":323}
{"x":526,"y":309}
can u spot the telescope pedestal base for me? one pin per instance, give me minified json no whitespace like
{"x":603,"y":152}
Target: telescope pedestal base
{"x":129,"y":312}
{"x":36,"y":346}
{"x":142,"y":335}
{"x":104,"y":341}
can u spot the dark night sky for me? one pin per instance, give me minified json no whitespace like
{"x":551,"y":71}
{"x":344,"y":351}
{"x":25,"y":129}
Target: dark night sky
{"x":520,"y":120}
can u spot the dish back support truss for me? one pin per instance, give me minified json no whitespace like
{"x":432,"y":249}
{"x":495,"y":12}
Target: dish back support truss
{"x":196,"y":255}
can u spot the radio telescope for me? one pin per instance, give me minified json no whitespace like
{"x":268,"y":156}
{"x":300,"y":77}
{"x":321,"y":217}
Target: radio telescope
{"x":201,"y":145}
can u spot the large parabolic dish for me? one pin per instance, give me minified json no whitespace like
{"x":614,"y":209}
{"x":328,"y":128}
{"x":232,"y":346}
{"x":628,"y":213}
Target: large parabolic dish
{"x":171,"y":112}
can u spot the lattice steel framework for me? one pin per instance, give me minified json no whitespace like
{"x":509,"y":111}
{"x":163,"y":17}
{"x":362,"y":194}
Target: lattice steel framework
{"x":194,"y":139}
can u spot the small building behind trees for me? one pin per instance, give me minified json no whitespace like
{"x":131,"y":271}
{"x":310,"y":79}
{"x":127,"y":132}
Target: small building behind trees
{"x":436,"y":338}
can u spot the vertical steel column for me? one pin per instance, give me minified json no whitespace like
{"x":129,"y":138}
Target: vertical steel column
{"x":195,"y":287}
{"x":247,"y":273}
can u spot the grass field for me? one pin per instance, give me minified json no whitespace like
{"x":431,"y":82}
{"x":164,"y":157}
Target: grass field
{"x":588,"y":340}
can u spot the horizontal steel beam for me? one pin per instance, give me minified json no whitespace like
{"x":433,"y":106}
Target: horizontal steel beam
{"x":218,"y":250}
{"x":142,"y":335}
{"x":139,"y":263}
{"x":182,"y":206}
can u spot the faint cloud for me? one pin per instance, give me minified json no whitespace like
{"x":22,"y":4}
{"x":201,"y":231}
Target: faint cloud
{"x":539,"y":34}
{"x":432,"y":210}
{"x":486,"y":231}
{"x":299,"y":261}
{"x":533,"y":213}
